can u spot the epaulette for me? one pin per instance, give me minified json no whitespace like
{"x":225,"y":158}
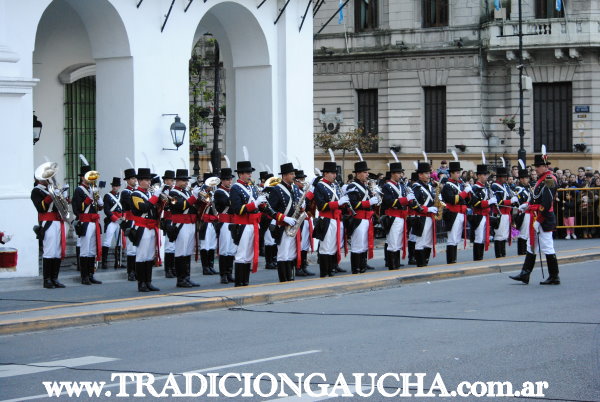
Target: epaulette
{"x":550,"y":182}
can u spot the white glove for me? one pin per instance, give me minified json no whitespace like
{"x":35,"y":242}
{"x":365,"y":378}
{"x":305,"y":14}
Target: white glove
{"x":6,"y":238}
{"x":262,"y":199}
{"x":410,"y":197}
{"x":523,"y":207}
{"x":468,"y":188}
{"x":514,"y":199}
{"x":290,"y":221}
{"x":343,"y":200}
{"x":374,"y":201}
{"x":433,"y":210}
{"x":57,"y":191}
{"x":492,"y":201}
{"x":303,"y":206}
{"x":536,"y":227}
{"x":196,"y":191}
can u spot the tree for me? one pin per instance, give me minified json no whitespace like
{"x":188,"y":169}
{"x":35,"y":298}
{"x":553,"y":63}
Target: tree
{"x":345,"y":141}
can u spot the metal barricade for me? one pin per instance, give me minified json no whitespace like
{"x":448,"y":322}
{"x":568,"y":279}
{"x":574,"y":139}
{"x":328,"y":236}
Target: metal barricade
{"x":577,"y":208}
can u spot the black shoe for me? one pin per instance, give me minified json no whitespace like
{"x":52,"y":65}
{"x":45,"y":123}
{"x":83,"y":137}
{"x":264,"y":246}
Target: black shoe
{"x":528,"y":265}
{"x":183,"y":284}
{"x":207,"y":271}
{"x":363,"y":263}
{"x":48,"y":284}
{"x":420,"y":258}
{"x":224,"y":279}
{"x":323,"y":266}
{"x":210,"y":260}
{"x":451,"y":252}
{"x":85,"y":271}
{"x":498,"y":248}
{"x":188,"y":264}
{"x":104,"y":257}
{"x":300,"y":272}
{"x":94,"y":280}
{"x":57,"y":284}
{"x":131,"y":277}
{"x":229,"y":262}
{"x":553,"y":278}
{"x":151,"y":287}
{"x":308,"y":273}
{"x":338,"y":269}
{"x":169,"y":264}
{"x":478,"y":250}
{"x":117,"y":257}
{"x":282,"y":271}
{"x":148,"y":277}
{"x":131,"y":268}
{"x":142,"y":287}
{"x":355,"y":263}
{"x":47,"y":267}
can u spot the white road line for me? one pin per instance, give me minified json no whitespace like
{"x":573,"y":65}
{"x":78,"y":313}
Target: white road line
{"x":306,"y":398}
{"x":11,"y":370}
{"x":202,"y":370}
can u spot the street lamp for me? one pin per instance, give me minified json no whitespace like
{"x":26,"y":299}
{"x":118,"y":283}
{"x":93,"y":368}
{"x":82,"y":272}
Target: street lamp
{"x":215,"y":153}
{"x":37,"y":129}
{"x":177,"y":130}
{"x":522,"y":154}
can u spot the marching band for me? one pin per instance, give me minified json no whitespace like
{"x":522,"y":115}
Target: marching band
{"x":230,"y":219}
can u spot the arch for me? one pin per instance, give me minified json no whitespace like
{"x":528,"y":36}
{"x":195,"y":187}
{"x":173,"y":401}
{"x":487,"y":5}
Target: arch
{"x":71,"y":74}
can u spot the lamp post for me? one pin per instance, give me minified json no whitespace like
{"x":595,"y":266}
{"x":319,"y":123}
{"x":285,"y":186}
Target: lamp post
{"x":196,"y":167}
{"x":522,"y":154}
{"x":37,"y":129}
{"x":177,"y":131}
{"x":215,"y":154}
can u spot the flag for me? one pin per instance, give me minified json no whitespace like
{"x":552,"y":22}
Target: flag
{"x":341,"y":16}
{"x":559,"y":5}
{"x":498,"y":5}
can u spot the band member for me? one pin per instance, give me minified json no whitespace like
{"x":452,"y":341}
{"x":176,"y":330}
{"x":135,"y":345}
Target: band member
{"x":86,"y":205}
{"x":481,"y":200}
{"x":169,"y":260}
{"x":455,"y":195}
{"x":208,"y":234}
{"x":522,"y":220}
{"x":51,"y":232}
{"x":184,"y":215}
{"x":283,"y":200}
{"x":245,"y":207}
{"x":396,"y":199}
{"x":329,"y":229}
{"x":227,"y":247}
{"x":113,"y":211}
{"x":145,"y":232}
{"x":425,"y":211}
{"x":131,"y":181}
{"x":542,"y":224}
{"x":412,"y":239}
{"x":266,"y":223}
{"x":307,"y":226}
{"x":506,"y":198}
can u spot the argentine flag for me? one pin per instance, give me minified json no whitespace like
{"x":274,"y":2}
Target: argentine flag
{"x":341,"y":16}
{"x":497,"y":4}
{"x":559,"y":5}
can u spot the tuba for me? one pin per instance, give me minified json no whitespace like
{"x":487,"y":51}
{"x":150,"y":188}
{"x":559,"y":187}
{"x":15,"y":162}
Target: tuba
{"x":47,"y":172}
{"x":437,"y":202}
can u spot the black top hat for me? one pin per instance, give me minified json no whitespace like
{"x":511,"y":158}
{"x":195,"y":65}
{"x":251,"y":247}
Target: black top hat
{"x":116,"y":182}
{"x":155,"y":179}
{"x":501,"y":171}
{"x":287,"y":168}
{"x":143,"y":173}
{"x":169,"y":174}
{"x":396,"y":167}
{"x":300,"y":174}
{"x":83,"y":170}
{"x":263,"y":175}
{"x":414,"y":176}
{"x":360,"y":166}
{"x":523,"y":173}
{"x":244,"y":167}
{"x":482,"y":169}
{"x":423,"y":167}
{"x":207,"y":175}
{"x":329,"y":167}
{"x":539,"y":160}
{"x":226,"y":174}
{"x":182,"y":174}
{"x":129,"y":173}
{"x":454,"y":167}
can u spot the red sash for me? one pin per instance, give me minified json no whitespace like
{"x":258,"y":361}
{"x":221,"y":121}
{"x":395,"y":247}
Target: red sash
{"x":209,"y":218}
{"x":368,"y":215}
{"x":250,"y":219}
{"x":310,"y":234}
{"x":184,"y":218}
{"x":94,"y":218}
{"x":225,"y":218}
{"x":337,"y":215}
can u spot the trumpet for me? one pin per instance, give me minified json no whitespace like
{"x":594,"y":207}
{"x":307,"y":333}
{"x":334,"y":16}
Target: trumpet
{"x":271,"y":182}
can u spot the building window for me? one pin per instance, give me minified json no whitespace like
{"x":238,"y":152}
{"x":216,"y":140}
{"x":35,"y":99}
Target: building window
{"x":552,"y":117}
{"x":547,"y":9}
{"x":435,"y":13}
{"x":368,"y":115}
{"x":365,"y":15}
{"x":435,"y":119}
{"x":80,"y":126}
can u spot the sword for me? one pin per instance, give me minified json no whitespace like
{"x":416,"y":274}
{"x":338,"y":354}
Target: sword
{"x":541,"y":256}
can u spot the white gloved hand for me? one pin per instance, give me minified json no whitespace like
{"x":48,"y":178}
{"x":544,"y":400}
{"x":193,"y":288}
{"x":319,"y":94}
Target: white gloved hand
{"x":492,"y":201}
{"x":468,"y":188}
{"x":514,"y":199}
{"x":262,"y":199}
{"x":374,"y":201}
{"x":411,"y":197}
{"x":196,"y":191}
{"x":290,"y":221}
{"x":6,"y":238}
{"x":537,"y":227}
{"x":303,"y":206}
{"x":57,"y":191}
{"x":432,"y":210}
{"x":343,"y":200}
{"x":523,"y":207}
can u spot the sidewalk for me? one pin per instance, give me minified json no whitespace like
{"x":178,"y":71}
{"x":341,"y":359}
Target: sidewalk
{"x":27,"y":308}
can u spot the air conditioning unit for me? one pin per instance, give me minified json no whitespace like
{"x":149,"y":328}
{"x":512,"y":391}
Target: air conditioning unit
{"x":500,"y":14}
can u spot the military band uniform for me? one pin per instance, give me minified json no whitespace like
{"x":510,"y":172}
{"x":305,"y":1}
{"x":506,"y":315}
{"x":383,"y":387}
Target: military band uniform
{"x":424,"y":219}
{"x":456,"y":197}
{"x":86,"y":209}
{"x":227,"y":247}
{"x":523,"y":219}
{"x":505,"y":198}
{"x":128,"y":224}
{"x":169,"y":246}
{"x":208,"y":234}
{"x":51,"y":234}
{"x":306,"y":228}
{"x":113,"y":216}
{"x":480,"y":220}
{"x":412,"y":239}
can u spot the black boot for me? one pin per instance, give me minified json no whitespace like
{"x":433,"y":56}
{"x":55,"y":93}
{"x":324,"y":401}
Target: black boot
{"x":497,"y":248}
{"x":84,"y":271}
{"x":332,"y":264}
{"x":503,"y":248}
{"x":355,"y":262}
{"x":91,"y":265}
{"x":77,"y":260}
{"x":427,"y":254}
{"x":246,"y":274}
{"x":282,"y":271}
{"x":521,"y":246}
{"x":478,"y":250}
{"x":303,"y":264}
{"x":323,"y":265}
{"x":204,"y":262}
{"x":272,"y":263}
{"x":47,"y":272}
{"x":337,"y":268}
{"x":170,"y":265}
{"x":420,"y":258}
{"x":104,"y":257}
{"x":363,"y":263}
{"x":411,"y":253}
{"x":223,"y":269}
{"x":140,"y":274}
{"x":238,"y":273}
{"x":397,"y":258}
{"x":131,"y":268}
{"x":210,"y":259}
{"x":229,"y":261}
{"x":117,"y":257}
{"x":386,"y":257}
{"x":553,"y":278}
{"x":291,"y":270}
{"x":188,"y":271}
{"x":55,"y":270}
{"x":451,"y":254}
{"x":528,"y":265}
{"x":148,"y":276}
{"x":180,"y":272}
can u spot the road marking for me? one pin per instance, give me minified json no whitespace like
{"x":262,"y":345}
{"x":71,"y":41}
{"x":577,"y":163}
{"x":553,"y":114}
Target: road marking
{"x":306,"y":398}
{"x":202,"y":370}
{"x":11,"y":370}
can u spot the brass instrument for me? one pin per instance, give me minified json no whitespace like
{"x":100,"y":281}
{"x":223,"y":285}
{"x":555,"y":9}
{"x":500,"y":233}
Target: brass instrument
{"x":156,"y":188}
{"x":299,"y":215}
{"x":208,"y":196}
{"x":375,"y":189}
{"x":270,"y":182}
{"x":437,"y":201}
{"x":92,"y":178}
{"x":47,"y":172}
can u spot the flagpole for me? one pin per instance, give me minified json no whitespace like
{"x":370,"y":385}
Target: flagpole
{"x":522,"y":154}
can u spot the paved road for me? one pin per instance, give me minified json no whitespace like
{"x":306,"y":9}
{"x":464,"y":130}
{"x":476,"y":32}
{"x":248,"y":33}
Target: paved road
{"x":484,"y":328}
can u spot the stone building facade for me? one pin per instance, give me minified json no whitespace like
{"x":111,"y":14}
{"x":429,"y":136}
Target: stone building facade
{"x":441,"y":75}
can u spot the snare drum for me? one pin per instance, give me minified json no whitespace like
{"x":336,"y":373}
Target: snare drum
{"x":8,"y":257}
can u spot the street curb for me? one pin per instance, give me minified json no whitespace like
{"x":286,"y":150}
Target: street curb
{"x":315,"y":289}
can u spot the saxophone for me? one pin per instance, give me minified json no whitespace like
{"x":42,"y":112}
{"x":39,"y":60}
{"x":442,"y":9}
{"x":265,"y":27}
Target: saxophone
{"x":299,"y":215}
{"x":437,"y":202}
